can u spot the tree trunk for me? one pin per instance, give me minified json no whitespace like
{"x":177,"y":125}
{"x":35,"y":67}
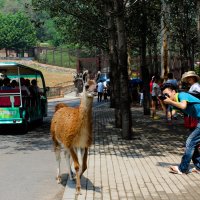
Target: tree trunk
{"x":113,"y":60}
{"x":164,"y":41}
{"x":156,"y":70}
{"x":6,"y":52}
{"x":123,"y":68}
{"x":198,"y":20}
{"x":198,"y":27}
{"x":144,"y":69}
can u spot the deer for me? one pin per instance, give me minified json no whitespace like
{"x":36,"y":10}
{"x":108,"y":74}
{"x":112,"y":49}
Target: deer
{"x":71,"y":127}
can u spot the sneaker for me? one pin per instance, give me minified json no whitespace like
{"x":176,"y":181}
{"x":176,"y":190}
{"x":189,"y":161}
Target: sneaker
{"x":156,"y":117}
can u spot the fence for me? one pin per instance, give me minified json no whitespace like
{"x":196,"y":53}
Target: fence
{"x":60,"y":91}
{"x":56,"y":56}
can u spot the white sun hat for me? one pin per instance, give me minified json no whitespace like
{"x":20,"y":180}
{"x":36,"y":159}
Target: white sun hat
{"x":189,"y":74}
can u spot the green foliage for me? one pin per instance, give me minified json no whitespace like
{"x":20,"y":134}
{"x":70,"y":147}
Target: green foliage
{"x":182,"y":26}
{"x":197,"y":68}
{"x":16,"y":32}
{"x":44,"y":26}
{"x":10,"y":6}
{"x":59,"y":57}
{"x":79,"y":22}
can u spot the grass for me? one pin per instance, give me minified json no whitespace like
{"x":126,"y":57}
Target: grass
{"x":59,"y":58}
{"x":53,"y":78}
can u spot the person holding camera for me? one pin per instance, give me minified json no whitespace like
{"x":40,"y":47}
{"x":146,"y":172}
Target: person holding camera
{"x":170,"y":79}
{"x":190,"y":105}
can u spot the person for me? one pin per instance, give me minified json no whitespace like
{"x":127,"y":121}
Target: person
{"x":14,"y":84}
{"x":155,"y":94}
{"x":100,"y":88}
{"x":24,"y":89}
{"x":192,"y":79}
{"x":141,"y":97}
{"x":151,"y":84}
{"x":6,"y":84}
{"x":105,"y":94}
{"x":190,"y":105}
{"x":170,"y":79}
{"x":98,"y":75}
{"x":35,"y":87}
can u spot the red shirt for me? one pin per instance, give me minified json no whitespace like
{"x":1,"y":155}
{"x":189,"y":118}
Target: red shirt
{"x":151,"y":86}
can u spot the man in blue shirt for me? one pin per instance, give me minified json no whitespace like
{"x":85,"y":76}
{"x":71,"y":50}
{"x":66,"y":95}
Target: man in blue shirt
{"x":189,"y":105}
{"x":100,"y":88}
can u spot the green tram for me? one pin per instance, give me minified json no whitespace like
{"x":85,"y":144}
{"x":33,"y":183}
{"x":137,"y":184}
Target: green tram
{"x":17,"y":105}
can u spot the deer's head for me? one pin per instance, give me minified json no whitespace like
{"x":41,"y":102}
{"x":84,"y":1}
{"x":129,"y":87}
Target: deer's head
{"x":89,"y":88}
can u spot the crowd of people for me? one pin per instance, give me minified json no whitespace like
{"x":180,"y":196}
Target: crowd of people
{"x":29,"y":88}
{"x":102,"y":91}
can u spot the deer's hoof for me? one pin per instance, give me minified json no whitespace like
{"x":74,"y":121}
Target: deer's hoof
{"x":78,"y":190}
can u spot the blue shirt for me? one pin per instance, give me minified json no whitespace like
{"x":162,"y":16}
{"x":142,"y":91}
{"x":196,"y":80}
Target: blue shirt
{"x":100,"y":87}
{"x":193,"y":104}
{"x":173,"y":82}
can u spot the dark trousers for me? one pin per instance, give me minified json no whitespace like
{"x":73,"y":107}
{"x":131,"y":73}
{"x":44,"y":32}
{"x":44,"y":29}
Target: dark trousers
{"x":100,"y":94}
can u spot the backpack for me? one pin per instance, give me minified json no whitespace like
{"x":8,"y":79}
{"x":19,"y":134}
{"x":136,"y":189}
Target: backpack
{"x":195,"y":94}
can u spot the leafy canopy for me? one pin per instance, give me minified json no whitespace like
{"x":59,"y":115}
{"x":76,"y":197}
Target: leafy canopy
{"x":16,"y":31}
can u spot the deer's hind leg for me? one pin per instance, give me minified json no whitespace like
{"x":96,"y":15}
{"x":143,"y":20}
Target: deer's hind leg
{"x":67,"y":157}
{"x":58,"y":159}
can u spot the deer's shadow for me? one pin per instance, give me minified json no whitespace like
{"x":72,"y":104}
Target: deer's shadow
{"x":86,"y":184}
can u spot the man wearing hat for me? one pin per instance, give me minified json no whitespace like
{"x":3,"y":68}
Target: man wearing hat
{"x":192,"y":79}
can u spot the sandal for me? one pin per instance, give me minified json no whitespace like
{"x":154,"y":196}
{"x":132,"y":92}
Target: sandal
{"x":175,"y":170}
{"x":195,"y":170}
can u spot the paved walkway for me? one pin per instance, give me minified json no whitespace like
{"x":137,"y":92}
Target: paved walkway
{"x":138,"y":169}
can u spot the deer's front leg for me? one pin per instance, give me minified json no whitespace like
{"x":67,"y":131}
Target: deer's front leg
{"x":76,"y":166}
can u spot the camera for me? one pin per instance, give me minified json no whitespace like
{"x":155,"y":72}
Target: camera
{"x":163,"y":97}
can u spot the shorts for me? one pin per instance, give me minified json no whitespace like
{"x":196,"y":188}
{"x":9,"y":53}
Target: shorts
{"x":154,"y":98}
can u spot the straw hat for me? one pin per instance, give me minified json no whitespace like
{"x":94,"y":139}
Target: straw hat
{"x":189,"y":74}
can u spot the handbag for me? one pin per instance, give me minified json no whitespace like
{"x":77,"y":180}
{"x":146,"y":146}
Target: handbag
{"x":190,"y":122}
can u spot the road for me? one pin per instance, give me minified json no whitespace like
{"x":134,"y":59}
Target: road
{"x":27,"y":164}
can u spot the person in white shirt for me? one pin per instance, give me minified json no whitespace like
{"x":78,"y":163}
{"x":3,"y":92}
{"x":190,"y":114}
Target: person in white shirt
{"x":192,"y":79}
{"x":100,"y":88}
{"x":154,"y":101}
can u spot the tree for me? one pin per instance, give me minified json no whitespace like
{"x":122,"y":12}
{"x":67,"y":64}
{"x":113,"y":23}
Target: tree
{"x":16,"y":32}
{"x":85,"y":22}
{"x":198,"y":23}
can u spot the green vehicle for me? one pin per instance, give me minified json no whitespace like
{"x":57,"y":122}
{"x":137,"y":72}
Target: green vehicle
{"x":23,"y":97}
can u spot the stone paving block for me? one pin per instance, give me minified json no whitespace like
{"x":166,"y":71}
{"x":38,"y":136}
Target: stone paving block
{"x":137,"y":169}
